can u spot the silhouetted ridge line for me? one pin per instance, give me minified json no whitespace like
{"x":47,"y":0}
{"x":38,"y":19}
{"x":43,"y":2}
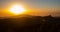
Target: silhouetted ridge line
{"x":30,"y":23}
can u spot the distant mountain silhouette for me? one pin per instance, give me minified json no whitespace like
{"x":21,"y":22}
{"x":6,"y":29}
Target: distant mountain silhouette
{"x":28,"y":23}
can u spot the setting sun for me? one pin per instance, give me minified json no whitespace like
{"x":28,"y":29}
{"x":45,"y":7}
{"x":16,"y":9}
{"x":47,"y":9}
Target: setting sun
{"x":17,"y":9}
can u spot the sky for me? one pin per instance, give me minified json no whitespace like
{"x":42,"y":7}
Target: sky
{"x":36,"y":7}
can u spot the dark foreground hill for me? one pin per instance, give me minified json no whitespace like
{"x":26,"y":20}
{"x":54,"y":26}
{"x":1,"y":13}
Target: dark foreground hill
{"x":30,"y":24}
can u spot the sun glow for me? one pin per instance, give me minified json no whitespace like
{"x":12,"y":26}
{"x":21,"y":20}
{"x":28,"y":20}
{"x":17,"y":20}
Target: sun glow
{"x":17,"y":9}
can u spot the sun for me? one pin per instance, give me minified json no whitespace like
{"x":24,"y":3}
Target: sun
{"x":17,"y":9}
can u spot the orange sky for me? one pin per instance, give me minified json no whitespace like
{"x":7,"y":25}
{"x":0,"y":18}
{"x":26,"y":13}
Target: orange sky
{"x":34,"y":7}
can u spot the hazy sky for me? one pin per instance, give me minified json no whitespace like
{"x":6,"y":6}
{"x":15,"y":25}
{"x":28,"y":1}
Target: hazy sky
{"x":43,"y":7}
